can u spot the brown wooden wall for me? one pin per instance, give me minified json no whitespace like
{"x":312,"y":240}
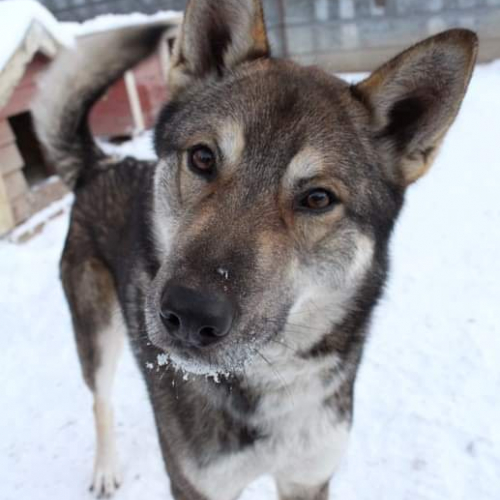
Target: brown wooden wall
{"x":14,"y":182}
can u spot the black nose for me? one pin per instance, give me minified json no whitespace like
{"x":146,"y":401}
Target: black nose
{"x":195,"y":318}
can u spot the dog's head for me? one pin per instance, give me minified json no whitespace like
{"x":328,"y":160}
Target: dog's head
{"x":278,"y":186}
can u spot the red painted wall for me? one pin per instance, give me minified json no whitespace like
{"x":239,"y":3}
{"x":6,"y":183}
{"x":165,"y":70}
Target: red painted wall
{"x":112,"y":115}
{"x":26,"y":88}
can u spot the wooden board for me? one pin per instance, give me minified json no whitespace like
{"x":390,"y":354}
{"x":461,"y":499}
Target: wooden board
{"x":21,"y":208}
{"x":10,"y":159}
{"x":46,"y":193}
{"x":15,"y":184}
{"x":6,"y":216}
{"x":6,"y":134}
{"x":111,"y":116}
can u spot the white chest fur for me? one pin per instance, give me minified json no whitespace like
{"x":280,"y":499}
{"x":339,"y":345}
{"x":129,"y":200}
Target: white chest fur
{"x":303,"y":438}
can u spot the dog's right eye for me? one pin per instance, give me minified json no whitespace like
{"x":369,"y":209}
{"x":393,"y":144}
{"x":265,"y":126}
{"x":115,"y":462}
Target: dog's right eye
{"x":201,"y":161}
{"x":316,"y":200}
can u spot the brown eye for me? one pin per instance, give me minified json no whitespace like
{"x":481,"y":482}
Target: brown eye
{"x":202,"y":161}
{"x":317,"y":200}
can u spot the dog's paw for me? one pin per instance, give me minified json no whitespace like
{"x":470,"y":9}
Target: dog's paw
{"x":107,"y":478}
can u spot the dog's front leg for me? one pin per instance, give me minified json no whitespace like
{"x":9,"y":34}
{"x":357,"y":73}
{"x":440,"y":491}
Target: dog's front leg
{"x":293,"y":491}
{"x":100,"y":332}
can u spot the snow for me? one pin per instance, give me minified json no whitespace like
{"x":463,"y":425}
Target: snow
{"x":37,"y":221}
{"x":141,"y":146}
{"x":16,"y":18}
{"x":427,"y":401}
{"x":115,"y":21}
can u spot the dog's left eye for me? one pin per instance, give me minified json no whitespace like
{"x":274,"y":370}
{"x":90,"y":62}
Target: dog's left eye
{"x":316,"y":200}
{"x":201,"y":160}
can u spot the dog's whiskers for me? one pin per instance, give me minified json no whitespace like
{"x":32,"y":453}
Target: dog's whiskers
{"x":284,"y":344}
{"x":276,"y":373}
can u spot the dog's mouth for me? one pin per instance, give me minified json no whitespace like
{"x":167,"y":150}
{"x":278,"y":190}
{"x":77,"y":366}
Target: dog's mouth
{"x":231,"y":357}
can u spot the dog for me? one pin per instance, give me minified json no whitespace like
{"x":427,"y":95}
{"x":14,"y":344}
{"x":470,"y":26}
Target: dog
{"x":245,"y":264}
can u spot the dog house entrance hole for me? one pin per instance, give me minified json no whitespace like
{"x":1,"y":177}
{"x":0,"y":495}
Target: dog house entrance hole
{"x":35,"y":169}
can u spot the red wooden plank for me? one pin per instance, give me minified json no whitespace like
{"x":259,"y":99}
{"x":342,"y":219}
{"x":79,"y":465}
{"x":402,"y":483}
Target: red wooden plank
{"x":26,"y":88}
{"x":19,"y":101}
{"x":112,"y":116}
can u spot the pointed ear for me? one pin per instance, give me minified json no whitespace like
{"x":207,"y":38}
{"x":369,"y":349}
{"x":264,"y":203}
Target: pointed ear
{"x":414,"y":98}
{"x":216,"y":36}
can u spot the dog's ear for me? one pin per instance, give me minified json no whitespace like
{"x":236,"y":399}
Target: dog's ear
{"x":216,"y":36}
{"x":414,"y":98}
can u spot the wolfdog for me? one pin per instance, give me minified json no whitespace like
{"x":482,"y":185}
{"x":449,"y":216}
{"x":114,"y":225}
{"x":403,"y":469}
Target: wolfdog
{"x":245,"y":263}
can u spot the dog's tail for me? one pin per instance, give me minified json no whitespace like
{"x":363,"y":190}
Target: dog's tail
{"x":73,"y":84}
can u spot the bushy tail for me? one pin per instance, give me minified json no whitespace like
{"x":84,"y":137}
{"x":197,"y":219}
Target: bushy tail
{"x":73,"y":84}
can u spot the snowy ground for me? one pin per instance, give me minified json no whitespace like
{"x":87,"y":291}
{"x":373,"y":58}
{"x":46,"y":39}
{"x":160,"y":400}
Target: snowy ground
{"x":428,"y":396}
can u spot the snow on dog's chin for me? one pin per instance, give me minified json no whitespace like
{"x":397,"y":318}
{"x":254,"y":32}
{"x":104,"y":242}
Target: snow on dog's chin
{"x":197,"y":367}
{"x":238,"y":357}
